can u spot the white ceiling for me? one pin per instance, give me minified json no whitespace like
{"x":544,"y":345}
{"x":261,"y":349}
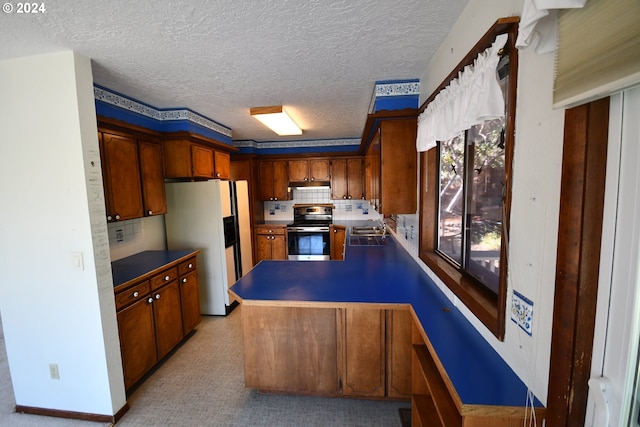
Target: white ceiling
{"x":318,"y":58}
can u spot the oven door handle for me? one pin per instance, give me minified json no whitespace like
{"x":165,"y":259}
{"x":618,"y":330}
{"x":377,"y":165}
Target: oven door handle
{"x":312,"y":229}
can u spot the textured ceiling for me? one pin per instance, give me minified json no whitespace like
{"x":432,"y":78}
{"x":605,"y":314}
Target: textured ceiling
{"x":318,"y":58}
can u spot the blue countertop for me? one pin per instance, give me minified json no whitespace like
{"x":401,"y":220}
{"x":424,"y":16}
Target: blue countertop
{"x":145,"y":263}
{"x":389,"y":275}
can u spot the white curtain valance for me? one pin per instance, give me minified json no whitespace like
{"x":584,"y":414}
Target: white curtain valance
{"x":470,"y":99}
{"x":538,"y":23}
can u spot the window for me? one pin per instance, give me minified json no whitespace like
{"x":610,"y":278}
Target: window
{"x":472,"y":175}
{"x":465,"y":198}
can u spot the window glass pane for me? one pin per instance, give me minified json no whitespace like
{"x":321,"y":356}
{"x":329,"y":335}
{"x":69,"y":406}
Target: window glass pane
{"x":484,"y":202}
{"x":451,"y":198}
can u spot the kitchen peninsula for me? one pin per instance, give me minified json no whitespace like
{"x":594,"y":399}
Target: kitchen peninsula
{"x":311,"y":327}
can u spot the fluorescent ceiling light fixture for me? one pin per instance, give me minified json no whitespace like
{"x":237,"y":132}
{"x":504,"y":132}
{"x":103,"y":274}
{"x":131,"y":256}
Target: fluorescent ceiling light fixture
{"x":276,"y":119}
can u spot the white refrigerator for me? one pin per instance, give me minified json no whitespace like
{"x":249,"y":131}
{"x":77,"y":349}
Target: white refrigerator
{"x":212,"y":216}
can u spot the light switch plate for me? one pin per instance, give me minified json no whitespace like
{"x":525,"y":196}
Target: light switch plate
{"x":522,"y":311}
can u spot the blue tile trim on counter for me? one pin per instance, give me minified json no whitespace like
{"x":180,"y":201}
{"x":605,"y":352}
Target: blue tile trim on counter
{"x":137,"y":265}
{"x":388,"y":275}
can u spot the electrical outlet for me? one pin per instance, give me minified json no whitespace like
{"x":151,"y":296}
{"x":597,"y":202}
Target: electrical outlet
{"x":54,"y":373}
{"x":522,"y":311}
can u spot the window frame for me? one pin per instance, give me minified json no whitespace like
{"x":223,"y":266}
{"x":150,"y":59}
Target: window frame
{"x":488,"y":307}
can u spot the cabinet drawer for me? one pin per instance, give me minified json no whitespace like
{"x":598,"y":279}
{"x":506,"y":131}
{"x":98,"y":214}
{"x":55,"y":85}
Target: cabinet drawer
{"x":271,"y":230}
{"x":132,"y":295}
{"x":163,"y":278}
{"x":187,"y":266}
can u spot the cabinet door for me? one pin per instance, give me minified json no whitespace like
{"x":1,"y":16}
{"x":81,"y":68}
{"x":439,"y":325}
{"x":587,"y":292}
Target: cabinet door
{"x":298,"y":170}
{"x":121,"y":171}
{"x":263,"y":247}
{"x":168,"y":318}
{"x":278,"y":247}
{"x":151,"y":172}
{"x":399,"y":324}
{"x":280,"y":180}
{"x":291,"y":349}
{"x":190,"y":300}
{"x":202,"y":162}
{"x":339,"y":179}
{"x":222,"y":165}
{"x":355,"y":179}
{"x":337,"y":238}
{"x":319,"y":170}
{"x":399,"y":165}
{"x":266,"y":180}
{"x":364,"y":352}
{"x":137,"y":340}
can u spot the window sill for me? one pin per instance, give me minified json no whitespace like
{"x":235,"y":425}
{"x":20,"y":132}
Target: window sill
{"x":481,"y":302}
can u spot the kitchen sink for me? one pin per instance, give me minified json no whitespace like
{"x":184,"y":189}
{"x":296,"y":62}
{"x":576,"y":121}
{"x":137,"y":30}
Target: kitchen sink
{"x":367,"y":231}
{"x":367,"y":240}
{"x":368,"y":235}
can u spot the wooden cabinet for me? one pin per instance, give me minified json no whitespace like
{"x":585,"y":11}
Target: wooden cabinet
{"x":222,"y":165}
{"x":271,"y":242}
{"x":364,"y":371}
{"x":291,"y":349}
{"x":121,"y":176}
{"x":347,"y":179}
{"x":133,"y":176}
{"x":309,"y":170}
{"x":399,"y":329}
{"x":189,"y":295}
{"x":154,"y":314}
{"x":274,"y":180}
{"x":391,"y":164}
{"x":154,"y":200}
{"x":137,"y":333}
{"x":337,"y":240}
{"x":167,"y":318}
{"x":324,"y":350}
{"x":186,"y":159}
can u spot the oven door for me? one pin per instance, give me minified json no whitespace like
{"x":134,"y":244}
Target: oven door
{"x":309,"y":243}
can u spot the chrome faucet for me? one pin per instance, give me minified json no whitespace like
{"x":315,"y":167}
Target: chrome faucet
{"x":383,"y":225}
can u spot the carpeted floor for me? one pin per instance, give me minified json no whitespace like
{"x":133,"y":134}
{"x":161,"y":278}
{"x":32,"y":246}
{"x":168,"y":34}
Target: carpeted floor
{"x":202,"y":384}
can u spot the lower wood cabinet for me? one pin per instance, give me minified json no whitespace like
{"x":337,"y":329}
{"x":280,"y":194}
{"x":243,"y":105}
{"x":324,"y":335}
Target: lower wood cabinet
{"x":337,"y":240}
{"x":291,"y":349}
{"x":327,"y":351}
{"x":364,"y":372}
{"x":270,"y":242}
{"x":154,"y":315}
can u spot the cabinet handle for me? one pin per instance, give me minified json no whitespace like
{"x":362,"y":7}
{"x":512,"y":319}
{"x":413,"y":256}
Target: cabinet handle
{"x":135,"y":294}
{"x":344,"y":197}
{"x":349,"y":197}
{"x":166,"y":278}
{"x":184,"y":280}
{"x":218,"y":175}
{"x":271,"y":198}
{"x":306,"y":179}
{"x":109,"y":218}
{"x":157,"y":296}
{"x":149,"y":212}
{"x":117,"y":216}
{"x":275,"y":198}
{"x":150,"y":300}
{"x":190,"y":265}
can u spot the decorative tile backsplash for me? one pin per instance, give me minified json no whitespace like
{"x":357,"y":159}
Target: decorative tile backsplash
{"x":344,"y":209}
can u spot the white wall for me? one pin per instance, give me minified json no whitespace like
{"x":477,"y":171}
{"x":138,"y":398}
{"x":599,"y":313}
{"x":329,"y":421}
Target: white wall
{"x":53,"y":206}
{"x":536,"y":189}
{"x":130,"y":237}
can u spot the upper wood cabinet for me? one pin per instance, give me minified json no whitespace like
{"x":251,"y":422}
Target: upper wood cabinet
{"x":309,"y":170}
{"x":347,"y":179}
{"x":151,"y":171}
{"x":222,"y":165}
{"x":274,"y":180}
{"x":185,"y":159}
{"x":121,"y":176}
{"x":391,"y":163}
